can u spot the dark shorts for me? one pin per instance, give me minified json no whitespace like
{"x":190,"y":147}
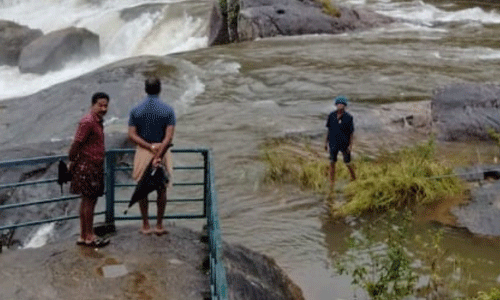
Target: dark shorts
{"x":334,"y":151}
{"x":87,"y":179}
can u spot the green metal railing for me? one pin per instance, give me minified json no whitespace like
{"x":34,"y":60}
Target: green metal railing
{"x":209,"y":211}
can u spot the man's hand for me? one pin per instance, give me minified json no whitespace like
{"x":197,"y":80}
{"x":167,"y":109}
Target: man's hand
{"x":326,"y":147}
{"x":156,"y":161}
{"x":155,"y":148}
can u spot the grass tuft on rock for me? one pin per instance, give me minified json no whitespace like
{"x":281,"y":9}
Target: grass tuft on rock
{"x":329,"y":8}
{"x":410,"y":177}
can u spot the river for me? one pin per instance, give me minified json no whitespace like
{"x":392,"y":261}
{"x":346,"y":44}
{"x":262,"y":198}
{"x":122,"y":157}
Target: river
{"x":241,"y":94}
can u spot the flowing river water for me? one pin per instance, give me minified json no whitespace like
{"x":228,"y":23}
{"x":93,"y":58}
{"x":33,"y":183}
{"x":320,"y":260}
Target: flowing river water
{"x":241,"y":94}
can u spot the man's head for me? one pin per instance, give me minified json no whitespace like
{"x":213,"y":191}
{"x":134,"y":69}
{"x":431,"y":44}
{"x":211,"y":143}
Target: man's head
{"x":100,"y":104}
{"x":153,"y":86}
{"x":340,"y":102}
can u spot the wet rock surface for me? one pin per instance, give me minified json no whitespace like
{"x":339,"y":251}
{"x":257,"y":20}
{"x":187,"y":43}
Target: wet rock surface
{"x":51,"y":51}
{"x":13,"y":38}
{"x":247,"y":20}
{"x":466,"y":111}
{"x":136,"y":266}
{"x":158,"y":267}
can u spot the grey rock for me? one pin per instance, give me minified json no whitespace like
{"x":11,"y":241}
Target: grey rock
{"x":261,"y":18}
{"x":461,"y":112}
{"x":252,"y":275}
{"x":13,"y":37}
{"x":53,"y":50}
{"x":63,"y":270}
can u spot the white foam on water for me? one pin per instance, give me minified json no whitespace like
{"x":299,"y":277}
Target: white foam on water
{"x":41,"y":237}
{"x":188,"y":98}
{"x":149,"y":33}
{"x":421,"y":12}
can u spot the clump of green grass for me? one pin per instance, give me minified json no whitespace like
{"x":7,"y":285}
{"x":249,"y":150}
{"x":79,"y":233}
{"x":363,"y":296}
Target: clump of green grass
{"x":329,"y":9}
{"x":493,"y":294}
{"x":410,"y":177}
{"x":287,"y":163}
{"x":407,"y":178}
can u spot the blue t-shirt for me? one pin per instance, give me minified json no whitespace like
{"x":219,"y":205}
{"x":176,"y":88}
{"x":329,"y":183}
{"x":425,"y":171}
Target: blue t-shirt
{"x":151,"y":118}
{"x":339,"y":131}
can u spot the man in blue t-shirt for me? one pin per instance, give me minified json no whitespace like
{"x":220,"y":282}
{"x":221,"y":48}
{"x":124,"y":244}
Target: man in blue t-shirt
{"x":340,"y":126}
{"x":151,"y":128}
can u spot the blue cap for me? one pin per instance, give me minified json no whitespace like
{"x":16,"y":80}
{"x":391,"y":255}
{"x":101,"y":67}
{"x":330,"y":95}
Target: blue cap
{"x":341,"y":100}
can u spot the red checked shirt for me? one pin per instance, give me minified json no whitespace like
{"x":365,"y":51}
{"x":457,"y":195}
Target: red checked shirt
{"x":90,"y":134}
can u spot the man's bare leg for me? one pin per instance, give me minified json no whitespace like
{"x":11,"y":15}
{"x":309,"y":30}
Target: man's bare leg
{"x":144,"y":205}
{"x":87,"y":219}
{"x":161,"y":203}
{"x":332,"y":176}
{"x":350,"y":167}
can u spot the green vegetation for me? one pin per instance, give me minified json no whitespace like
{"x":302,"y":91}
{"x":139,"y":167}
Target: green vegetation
{"x":382,"y":266}
{"x":410,"y":177}
{"x":493,"y":294}
{"x":386,"y":272}
{"x":329,"y":9}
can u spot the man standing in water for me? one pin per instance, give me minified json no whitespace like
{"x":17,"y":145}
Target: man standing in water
{"x":86,"y":157}
{"x":151,"y":128}
{"x":340,"y":126}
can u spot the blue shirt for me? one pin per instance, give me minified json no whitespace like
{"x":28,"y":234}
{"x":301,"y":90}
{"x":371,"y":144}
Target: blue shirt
{"x":151,"y":118}
{"x":340,"y":130}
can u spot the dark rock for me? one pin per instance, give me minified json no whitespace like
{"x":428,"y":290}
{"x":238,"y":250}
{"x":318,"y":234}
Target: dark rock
{"x":461,"y":112}
{"x":252,"y":275}
{"x":218,"y":30}
{"x":260,"y":18}
{"x":13,"y":37}
{"x":53,"y":50}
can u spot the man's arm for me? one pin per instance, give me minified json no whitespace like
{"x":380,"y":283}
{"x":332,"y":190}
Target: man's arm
{"x":135,"y":138}
{"x":81,"y":135}
{"x":75,"y":149}
{"x":167,"y":140}
{"x":326,"y":142}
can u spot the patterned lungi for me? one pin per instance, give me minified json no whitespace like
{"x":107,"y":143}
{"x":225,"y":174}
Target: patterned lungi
{"x":87,"y":178}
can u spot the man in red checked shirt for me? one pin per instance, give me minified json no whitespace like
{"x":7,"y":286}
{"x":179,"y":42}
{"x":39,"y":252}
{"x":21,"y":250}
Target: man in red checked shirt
{"x":86,"y":157}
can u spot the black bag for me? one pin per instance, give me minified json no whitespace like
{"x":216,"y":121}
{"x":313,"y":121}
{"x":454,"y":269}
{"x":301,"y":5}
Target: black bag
{"x":63,"y":174}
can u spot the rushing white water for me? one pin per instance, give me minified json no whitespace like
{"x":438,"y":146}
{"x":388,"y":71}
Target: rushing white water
{"x":41,"y":236}
{"x":165,"y":28}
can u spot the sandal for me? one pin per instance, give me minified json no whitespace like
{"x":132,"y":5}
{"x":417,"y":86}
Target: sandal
{"x":80,"y":242}
{"x":160,"y":231}
{"x":98,"y":243}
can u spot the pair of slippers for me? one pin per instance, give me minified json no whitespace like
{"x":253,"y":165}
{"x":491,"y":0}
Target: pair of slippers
{"x":156,"y":231}
{"x":96,"y":243}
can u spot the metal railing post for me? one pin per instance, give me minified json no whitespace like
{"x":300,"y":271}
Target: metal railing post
{"x":206,"y":181}
{"x":110,"y":187}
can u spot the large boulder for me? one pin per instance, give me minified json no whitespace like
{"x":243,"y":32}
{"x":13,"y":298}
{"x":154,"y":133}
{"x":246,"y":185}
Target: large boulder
{"x":252,"y":19}
{"x":461,"y":112}
{"x":13,"y":37}
{"x":53,"y":50}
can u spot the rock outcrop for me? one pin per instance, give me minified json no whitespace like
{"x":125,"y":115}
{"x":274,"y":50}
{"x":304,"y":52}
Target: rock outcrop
{"x":53,"y":50}
{"x":461,"y":112}
{"x":250,"y":19}
{"x":13,"y":38}
{"x":152,"y":267}
{"x":252,"y":275}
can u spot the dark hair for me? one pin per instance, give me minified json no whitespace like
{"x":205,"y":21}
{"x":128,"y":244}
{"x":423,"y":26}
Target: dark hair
{"x":153,"y":86}
{"x":99,"y":95}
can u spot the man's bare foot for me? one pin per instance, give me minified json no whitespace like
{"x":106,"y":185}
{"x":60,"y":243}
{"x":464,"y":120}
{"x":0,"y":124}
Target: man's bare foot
{"x":146,"y":231}
{"x":160,"y":230}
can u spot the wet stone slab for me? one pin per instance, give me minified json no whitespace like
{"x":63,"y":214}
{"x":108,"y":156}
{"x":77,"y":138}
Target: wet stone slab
{"x":132,"y":266}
